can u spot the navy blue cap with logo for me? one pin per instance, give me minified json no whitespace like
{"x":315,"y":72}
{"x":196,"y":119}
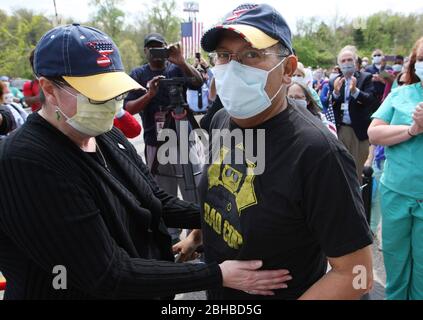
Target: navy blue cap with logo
{"x":86,"y":58}
{"x":76,"y":51}
{"x":259,"y":16}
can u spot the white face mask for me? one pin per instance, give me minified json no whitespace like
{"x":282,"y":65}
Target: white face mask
{"x":298,"y":79}
{"x":377,"y":60}
{"x":301,"y":103}
{"x":333,"y":76}
{"x":397,"y":67}
{"x":92,"y":119}
{"x":419,"y":69}
{"x":241,"y":89}
{"x":8,"y":98}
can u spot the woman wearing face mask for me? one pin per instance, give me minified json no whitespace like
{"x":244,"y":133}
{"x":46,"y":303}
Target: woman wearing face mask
{"x":398,"y":125}
{"x":93,"y":208}
{"x":299,"y":77}
{"x":303,"y":100}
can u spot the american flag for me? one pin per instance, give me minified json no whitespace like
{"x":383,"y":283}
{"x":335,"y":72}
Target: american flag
{"x":191,"y":33}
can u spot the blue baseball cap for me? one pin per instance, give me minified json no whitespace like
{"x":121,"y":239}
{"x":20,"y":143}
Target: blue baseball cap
{"x":86,"y":58}
{"x":259,"y":24}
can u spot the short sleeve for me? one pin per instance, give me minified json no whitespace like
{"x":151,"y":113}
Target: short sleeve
{"x":386,"y":110}
{"x":333,"y":206}
{"x":134,"y":94}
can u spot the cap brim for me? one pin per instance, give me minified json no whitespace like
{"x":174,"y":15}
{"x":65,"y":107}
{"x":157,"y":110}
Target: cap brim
{"x":255,"y":37}
{"x":104,"y":86}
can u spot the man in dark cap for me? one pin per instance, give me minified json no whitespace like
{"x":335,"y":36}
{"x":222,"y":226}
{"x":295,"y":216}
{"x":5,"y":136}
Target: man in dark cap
{"x":153,"y":107}
{"x":151,"y":104}
{"x":305,"y":207}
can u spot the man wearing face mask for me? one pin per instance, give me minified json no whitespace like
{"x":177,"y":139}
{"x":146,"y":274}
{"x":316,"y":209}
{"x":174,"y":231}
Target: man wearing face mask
{"x":283,"y":215}
{"x":353,"y":100}
{"x":379,"y":71}
{"x":77,"y":199}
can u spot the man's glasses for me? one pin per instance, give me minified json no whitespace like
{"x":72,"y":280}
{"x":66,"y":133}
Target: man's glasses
{"x":249,"y":57}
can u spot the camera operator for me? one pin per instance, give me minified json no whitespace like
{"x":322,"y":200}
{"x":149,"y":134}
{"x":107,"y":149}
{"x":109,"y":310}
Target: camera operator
{"x":163,"y":62}
{"x":153,"y":104}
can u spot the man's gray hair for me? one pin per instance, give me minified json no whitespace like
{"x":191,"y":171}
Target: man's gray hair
{"x":351,"y":49}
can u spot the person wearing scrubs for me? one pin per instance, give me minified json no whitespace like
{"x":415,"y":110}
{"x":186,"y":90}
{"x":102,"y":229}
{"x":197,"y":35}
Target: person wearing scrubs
{"x":398,"y":125}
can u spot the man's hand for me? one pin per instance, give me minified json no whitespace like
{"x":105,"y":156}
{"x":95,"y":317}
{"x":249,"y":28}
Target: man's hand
{"x":353,"y":85}
{"x":204,"y":64}
{"x":175,"y":54}
{"x":339,"y":82}
{"x":153,"y":86}
{"x":245,"y":276}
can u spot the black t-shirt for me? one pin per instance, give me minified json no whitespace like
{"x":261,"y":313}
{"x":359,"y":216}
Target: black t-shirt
{"x":305,"y":207}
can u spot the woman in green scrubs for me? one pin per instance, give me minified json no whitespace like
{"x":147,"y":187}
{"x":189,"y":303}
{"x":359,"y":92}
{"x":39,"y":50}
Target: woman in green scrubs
{"x":398,"y":125}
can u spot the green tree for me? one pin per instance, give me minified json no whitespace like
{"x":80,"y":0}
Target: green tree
{"x":162,"y":19}
{"x":19,"y":33}
{"x":108,"y":17}
{"x":130,"y":54}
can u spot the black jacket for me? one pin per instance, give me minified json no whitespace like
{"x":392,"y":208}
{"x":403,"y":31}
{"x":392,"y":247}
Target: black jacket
{"x":360,"y":109}
{"x":59,"y":206}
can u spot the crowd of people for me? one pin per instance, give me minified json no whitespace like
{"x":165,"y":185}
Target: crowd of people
{"x":76,"y":193}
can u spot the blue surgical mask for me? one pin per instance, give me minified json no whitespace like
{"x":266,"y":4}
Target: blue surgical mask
{"x":348,"y":69}
{"x":397,"y":67}
{"x":301,"y":103}
{"x":241,"y":89}
{"x":419,"y":69}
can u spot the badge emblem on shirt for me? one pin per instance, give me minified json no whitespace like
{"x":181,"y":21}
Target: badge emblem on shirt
{"x":104,"y":49}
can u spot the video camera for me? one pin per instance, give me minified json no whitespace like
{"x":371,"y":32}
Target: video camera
{"x":175,"y":88}
{"x":159,"y":53}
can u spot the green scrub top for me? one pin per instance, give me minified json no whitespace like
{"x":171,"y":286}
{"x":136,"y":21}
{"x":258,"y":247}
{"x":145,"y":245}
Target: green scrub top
{"x":403,"y":172}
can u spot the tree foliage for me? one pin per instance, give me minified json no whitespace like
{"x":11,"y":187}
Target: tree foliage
{"x":317,"y":42}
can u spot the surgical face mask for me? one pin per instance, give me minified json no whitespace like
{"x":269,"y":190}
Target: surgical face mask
{"x":298,"y":79}
{"x":419,"y":69}
{"x":301,"y":103}
{"x":241,"y":89}
{"x":92,"y":119}
{"x":348,"y":69}
{"x":333,"y":76}
{"x":377,"y":59}
{"x":397,"y":67}
{"x":364,"y":64}
{"x":8,"y":98}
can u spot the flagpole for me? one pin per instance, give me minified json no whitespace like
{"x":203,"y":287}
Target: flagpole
{"x":55,"y":11}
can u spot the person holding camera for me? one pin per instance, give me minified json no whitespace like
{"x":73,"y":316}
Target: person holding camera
{"x":163,"y":62}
